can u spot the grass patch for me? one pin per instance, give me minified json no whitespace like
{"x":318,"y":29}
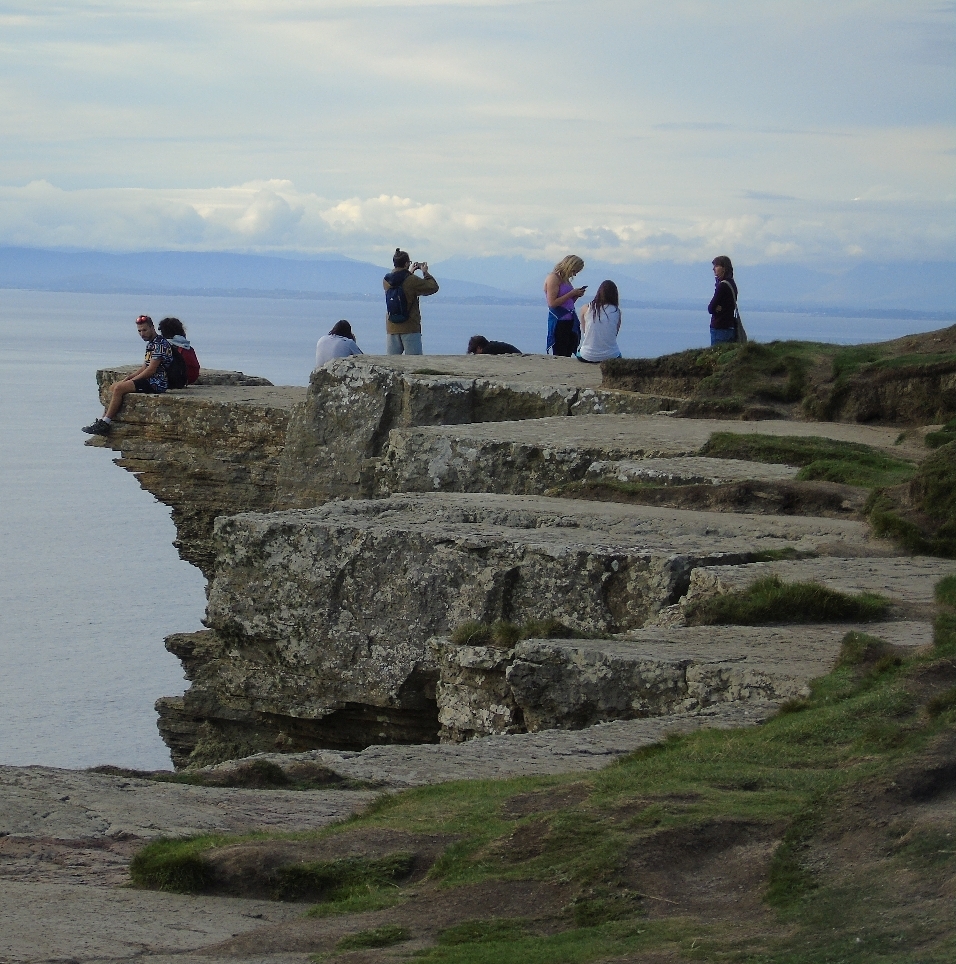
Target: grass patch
{"x":177,"y":866}
{"x":942,"y":436}
{"x":379,"y":937}
{"x":680,"y":814}
{"x":770,"y":600}
{"x":359,"y":903}
{"x":819,"y":459}
{"x":502,"y":634}
{"x":340,"y":880}
{"x":927,"y":524}
{"x":945,"y":591}
{"x":483,"y":932}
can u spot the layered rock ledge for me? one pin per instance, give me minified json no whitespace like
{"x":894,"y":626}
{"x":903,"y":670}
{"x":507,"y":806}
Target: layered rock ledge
{"x":347,"y":529}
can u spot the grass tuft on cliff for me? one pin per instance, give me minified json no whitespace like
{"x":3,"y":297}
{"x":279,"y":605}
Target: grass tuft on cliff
{"x":905,"y":380}
{"x":823,"y":834}
{"x":502,"y":634}
{"x":177,"y":866}
{"x":922,"y":516}
{"x":769,"y":600}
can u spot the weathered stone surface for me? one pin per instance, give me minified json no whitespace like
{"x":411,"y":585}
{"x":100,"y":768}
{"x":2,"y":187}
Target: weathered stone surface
{"x":518,"y":754}
{"x":907,"y":581}
{"x":688,"y":470}
{"x":542,"y":684}
{"x":355,"y":403}
{"x":66,"y":840}
{"x":532,"y":455}
{"x":105,"y":377}
{"x":204,"y":450}
{"x":473,"y":695}
{"x":319,"y":619}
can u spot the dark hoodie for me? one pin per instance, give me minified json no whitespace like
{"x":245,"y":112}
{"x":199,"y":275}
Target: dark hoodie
{"x":414,"y":288}
{"x":722,"y":305}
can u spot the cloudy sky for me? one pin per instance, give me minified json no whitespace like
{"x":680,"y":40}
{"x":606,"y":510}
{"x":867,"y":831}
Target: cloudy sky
{"x":793,"y":130}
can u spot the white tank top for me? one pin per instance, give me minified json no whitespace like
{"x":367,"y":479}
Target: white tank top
{"x":599,"y":341}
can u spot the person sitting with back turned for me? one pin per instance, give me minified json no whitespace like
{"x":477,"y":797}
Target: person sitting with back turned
{"x":150,"y":379}
{"x":479,"y":345}
{"x":172,"y":330}
{"x":403,"y":317}
{"x":338,"y":343}
{"x":600,"y":325}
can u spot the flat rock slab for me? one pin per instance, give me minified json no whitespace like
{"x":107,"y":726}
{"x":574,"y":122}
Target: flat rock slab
{"x":317,"y":608}
{"x":541,"y":684}
{"x":80,"y":804}
{"x":908,"y":580}
{"x":650,"y":436}
{"x":70,"y":922}
{"x":690,"y":470}
{"x":531,"y":455}
{"x":531,"y":370}
{"x":520,"y":754}
{"x":573,"y":683}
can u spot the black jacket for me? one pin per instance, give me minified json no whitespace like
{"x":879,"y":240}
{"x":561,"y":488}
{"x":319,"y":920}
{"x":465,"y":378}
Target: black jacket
{"x":722,"y":305}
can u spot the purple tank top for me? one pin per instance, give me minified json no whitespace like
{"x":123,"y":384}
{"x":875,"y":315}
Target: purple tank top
{"x":565,"y":288}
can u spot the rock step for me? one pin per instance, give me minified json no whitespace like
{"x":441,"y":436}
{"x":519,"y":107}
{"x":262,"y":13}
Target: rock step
{"x":542,"y":684}
{"x":355,"y":404}
{"x":512,"y":755}
{"x":908,"y":581}
{"x":532,"y":455}
{"x":322,"y":616}
{"x":688,"y":470}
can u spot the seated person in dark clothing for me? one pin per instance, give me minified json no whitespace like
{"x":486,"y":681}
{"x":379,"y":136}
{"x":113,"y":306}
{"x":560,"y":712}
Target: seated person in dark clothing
{"x":479,"y":345}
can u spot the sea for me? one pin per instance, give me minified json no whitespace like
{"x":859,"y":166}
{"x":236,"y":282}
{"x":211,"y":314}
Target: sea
{"x":90,"y":583}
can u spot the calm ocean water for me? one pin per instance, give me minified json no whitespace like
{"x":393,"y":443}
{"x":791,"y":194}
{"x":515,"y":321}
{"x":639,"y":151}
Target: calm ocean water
{"x":89,"y":580}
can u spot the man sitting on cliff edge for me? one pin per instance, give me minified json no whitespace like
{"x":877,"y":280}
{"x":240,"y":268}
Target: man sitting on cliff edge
{"x":150,"y":379}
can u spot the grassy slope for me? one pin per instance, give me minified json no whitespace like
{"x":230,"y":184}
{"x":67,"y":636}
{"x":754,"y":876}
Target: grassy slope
{"x":825,"y":835}
{"x":821,"y":381}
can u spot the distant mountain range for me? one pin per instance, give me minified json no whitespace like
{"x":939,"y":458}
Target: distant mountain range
{"x":911,"y":288}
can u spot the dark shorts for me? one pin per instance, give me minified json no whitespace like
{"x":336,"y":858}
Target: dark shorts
{"x":566,"y":339}
{"x":143,"y":385}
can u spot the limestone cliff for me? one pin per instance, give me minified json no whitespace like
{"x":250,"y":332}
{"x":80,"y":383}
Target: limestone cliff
{"x":346,"y":528}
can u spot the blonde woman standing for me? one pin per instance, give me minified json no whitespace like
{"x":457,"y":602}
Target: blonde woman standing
{"x":564,"y":330}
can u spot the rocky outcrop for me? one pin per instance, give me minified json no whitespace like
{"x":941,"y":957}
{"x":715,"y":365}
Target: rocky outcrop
{"x":323,"y":602}
{"x":543,"y":684}
{"x":205,"y":450}
{"x":319,"y":619}
{"x":356,"y":404}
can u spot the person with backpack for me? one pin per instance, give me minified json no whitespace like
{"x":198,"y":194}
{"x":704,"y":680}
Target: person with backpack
{"x":185,"y":367}
{"x":150,"y":379}
{"x":723,"y":306}
{"x":403,"y":315}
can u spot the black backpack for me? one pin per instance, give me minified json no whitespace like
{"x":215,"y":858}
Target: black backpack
{"x":176,"y":370}
{"x":396,"y":304}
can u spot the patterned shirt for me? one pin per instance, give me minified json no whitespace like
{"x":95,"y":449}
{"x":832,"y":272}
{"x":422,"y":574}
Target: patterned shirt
{"x":159,"y":348}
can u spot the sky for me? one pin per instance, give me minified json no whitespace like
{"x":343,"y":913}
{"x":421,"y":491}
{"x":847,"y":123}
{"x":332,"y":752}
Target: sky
{"x":782,"y":131}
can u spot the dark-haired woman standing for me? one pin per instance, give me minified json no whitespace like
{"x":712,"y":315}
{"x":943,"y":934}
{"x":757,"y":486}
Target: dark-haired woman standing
{"x":723,"y":306}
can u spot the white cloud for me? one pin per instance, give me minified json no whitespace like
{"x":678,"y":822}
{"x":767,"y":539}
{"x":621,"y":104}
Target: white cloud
{"x":630,"y":128}
{"x":276,"y":216}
